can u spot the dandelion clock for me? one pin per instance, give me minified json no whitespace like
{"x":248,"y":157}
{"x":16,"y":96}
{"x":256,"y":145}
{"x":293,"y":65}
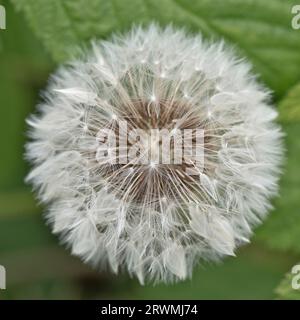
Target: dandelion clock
{"x":154,"y":151}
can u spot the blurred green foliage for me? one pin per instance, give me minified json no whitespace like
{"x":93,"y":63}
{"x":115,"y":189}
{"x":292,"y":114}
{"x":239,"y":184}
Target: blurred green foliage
{"x":37,"y":267}
{"x":289,"y":107}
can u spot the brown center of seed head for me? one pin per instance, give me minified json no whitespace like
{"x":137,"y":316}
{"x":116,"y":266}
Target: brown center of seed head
{"x":145,"y":176}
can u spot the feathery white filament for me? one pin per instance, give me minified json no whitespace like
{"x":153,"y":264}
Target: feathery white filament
{"x":155,"y":220}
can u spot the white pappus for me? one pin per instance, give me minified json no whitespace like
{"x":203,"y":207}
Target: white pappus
{"x":154,"y":220}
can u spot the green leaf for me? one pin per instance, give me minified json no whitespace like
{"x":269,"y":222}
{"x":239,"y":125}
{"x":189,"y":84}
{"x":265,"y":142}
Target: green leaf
{"x":24,"y":69}
{"x":282,"y":228}
{"x":285,"y":290}
{"x":290,"y":106}
{"x":260,"y":29}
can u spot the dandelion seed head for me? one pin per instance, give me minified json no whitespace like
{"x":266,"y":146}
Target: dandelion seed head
{"x":155,"y":220}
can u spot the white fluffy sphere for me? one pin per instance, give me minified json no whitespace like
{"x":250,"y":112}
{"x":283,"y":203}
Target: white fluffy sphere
{"x":155,"y":219}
